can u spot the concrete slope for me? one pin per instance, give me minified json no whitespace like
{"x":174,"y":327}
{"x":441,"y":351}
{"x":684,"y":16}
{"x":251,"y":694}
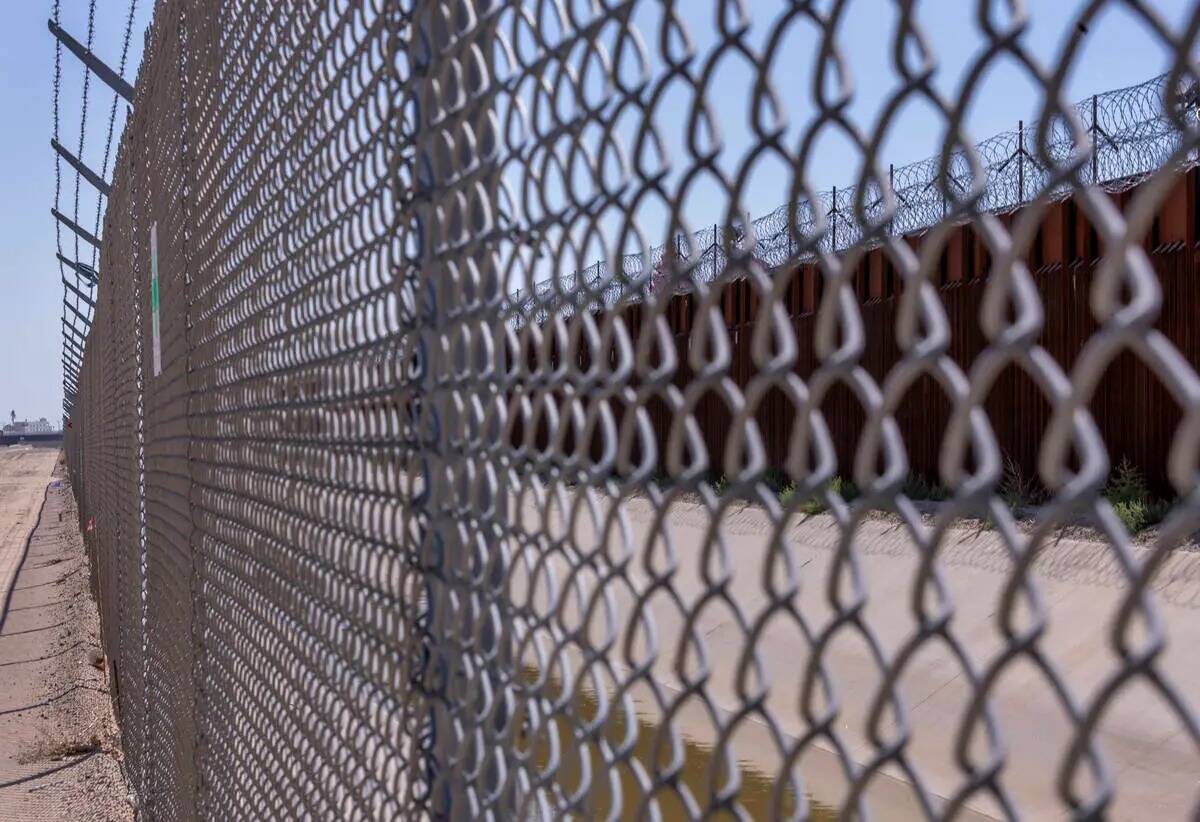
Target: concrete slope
{"x":1081,"y":585}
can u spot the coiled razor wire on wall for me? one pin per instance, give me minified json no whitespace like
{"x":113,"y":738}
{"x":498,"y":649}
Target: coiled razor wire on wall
{"x":387,"y":541}
{"x":1130,"y":128}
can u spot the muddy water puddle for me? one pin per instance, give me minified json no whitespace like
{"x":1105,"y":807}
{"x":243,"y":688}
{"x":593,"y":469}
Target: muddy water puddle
{"x":571,"y":738}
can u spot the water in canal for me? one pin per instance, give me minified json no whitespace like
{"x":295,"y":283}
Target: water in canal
{"x":697,"y":778}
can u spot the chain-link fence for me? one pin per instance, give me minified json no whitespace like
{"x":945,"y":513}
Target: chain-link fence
{"x":380,"y":535}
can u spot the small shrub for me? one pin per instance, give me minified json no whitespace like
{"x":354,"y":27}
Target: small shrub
{"x":776,"y":479}
{"x":816,"y":503}
{"x":813,"y":505}
{"x":720,"y":485}
{"x":1016,"y":490}
{"x":1132,"y":514}
{"x":917,"y":487}
{"x":1126,"y":485}
{"x":786,"y":493}
{"x":1130,"y":498}
{"x":1157,"y":511}
{"x":845,"y":488}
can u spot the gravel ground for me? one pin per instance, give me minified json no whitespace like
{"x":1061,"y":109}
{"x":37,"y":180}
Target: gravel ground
{"x":60,"y":752}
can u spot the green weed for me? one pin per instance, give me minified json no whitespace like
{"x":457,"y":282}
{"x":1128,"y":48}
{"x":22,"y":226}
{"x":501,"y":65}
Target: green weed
{"x":786,"y":493}
{"x":1126,"y":484}
{"x":777,"y":480}
{"x":917,"y":487}
{"x":1132,"y":513}
{"x":845,"y":488}
{"x":1131,"y":500}
{"x":816,"y":504}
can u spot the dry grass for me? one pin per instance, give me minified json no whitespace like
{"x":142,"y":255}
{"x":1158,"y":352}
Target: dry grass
{"x":65,"y":749}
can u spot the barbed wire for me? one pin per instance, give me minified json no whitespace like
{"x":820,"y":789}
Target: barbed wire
{"x":83,"y":107}
{"x":112,"y":113}
{"x":54,"y":15}
{"x":79,"y":278}
{"x":1130,"y":129}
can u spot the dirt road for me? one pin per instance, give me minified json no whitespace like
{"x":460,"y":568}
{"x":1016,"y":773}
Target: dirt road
{"x":59,"y":756}
{"x":1153,"y":760}
{"x":24,"y":473}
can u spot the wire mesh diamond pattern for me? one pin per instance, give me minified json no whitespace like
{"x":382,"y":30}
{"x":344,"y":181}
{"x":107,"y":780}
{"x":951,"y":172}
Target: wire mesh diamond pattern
{"x":483,"y":479}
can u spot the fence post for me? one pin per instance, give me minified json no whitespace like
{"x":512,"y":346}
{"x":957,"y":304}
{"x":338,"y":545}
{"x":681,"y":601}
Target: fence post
{"x":892,"y":188}
{"x":465,"y":666}
{"x":718,"y":262}
{"x":1095,"y":142}
{"x":1020,"y":162}
{"x":834,"y":213}
{"x":436,"y":539}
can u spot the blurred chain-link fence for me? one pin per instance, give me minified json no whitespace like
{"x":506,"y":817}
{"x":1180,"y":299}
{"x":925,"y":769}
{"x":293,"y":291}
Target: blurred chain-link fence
{"x":401,"y":510}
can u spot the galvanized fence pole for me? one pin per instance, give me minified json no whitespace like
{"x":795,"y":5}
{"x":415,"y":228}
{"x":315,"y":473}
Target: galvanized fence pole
{"x":461,"y":354}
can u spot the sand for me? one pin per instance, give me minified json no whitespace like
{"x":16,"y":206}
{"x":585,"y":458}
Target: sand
{"x":59,"y":749}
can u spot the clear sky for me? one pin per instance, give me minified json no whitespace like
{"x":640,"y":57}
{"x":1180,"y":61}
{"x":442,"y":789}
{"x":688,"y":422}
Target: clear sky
{"x":30,"y":287}
{"x":1118,"y":52}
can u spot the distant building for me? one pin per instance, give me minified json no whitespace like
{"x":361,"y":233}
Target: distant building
{"x":41,"y":426}
{"x":28,"y":431}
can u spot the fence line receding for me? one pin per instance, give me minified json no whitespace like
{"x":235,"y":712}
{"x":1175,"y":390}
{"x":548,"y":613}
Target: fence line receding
{"x":880,"y":505}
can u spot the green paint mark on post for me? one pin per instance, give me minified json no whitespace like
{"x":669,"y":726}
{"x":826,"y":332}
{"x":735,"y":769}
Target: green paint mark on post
{"x":154,"y":299}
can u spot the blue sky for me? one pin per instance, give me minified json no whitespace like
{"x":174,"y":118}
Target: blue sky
{"x":30,"y":287}
{"x":1118,"y":52}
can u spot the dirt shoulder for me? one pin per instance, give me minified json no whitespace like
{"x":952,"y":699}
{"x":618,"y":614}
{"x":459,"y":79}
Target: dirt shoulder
{"x":59,"y":750}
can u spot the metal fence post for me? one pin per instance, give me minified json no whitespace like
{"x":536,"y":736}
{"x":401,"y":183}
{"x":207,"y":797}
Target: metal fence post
{"x":437,"y":535}
{"x":892,"y":188}
{"x":1020,"y":162}
{"x":465,"y":662}
{"x":834,"y":212}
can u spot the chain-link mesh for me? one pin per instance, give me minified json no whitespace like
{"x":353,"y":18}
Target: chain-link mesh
{"x":430,"y":474}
